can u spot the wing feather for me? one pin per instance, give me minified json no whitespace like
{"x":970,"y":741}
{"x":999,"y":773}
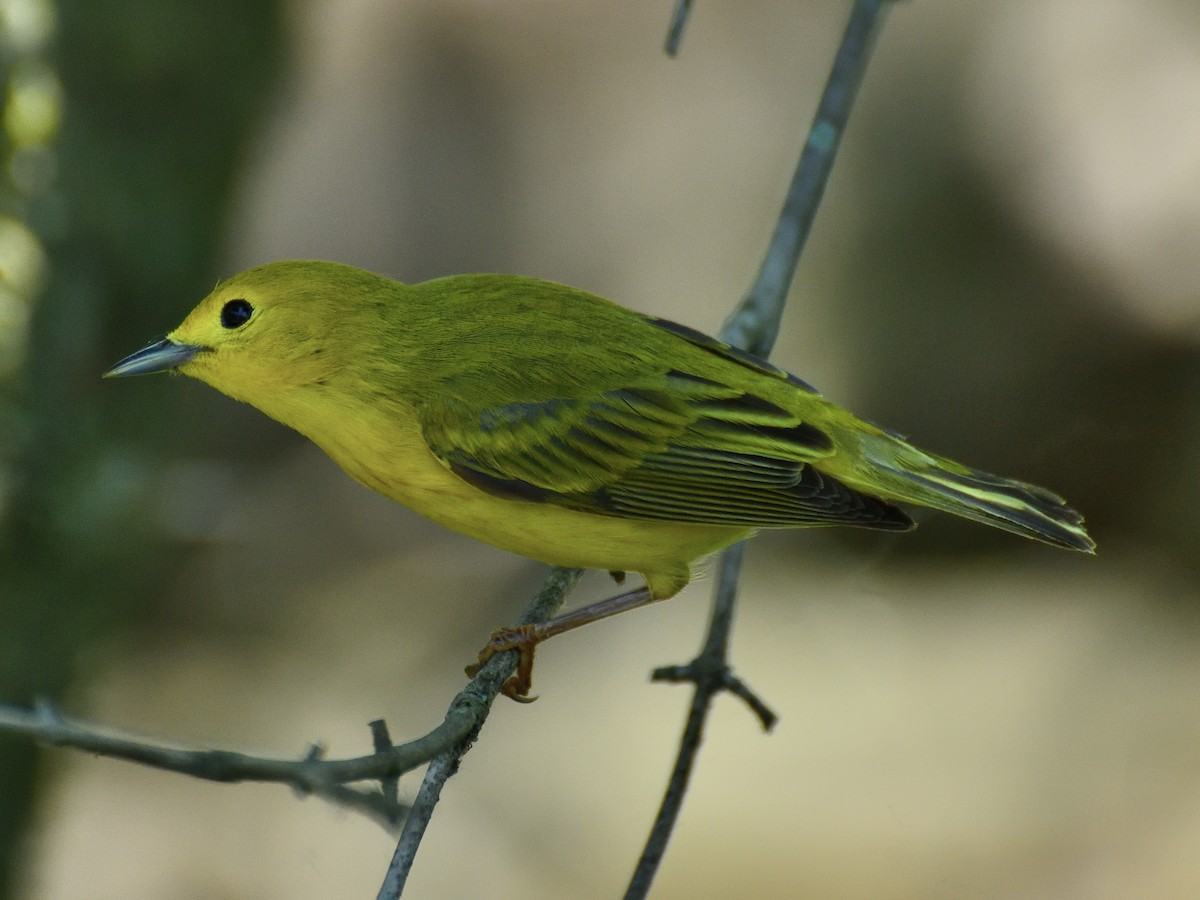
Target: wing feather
{"x":674,"y":447}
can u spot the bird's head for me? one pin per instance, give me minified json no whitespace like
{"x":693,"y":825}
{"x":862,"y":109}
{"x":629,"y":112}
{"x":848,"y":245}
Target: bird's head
{"x":263,"y":334}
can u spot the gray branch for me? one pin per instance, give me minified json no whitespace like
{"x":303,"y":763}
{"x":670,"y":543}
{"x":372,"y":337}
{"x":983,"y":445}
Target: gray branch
{"x":310,"y":774}
{"x":485,"y":687}
{"x":754,"y":327}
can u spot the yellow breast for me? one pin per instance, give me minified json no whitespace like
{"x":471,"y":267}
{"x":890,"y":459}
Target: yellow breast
{"x":388,"y":456}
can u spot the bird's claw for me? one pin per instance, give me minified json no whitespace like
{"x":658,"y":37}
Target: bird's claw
{"x":524,"y":639}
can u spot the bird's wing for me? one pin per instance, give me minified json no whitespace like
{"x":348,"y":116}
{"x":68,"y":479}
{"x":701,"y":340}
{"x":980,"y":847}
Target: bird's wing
{"x":671,"y":446}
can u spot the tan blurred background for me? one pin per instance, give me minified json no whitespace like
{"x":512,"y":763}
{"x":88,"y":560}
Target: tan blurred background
{"x":1006,"y":268}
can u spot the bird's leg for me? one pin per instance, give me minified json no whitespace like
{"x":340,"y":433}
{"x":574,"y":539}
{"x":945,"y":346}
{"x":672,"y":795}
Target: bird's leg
{"x":525,"y":638}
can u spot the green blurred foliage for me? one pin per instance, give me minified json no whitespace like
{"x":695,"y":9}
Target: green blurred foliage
{"x":160,"y":99}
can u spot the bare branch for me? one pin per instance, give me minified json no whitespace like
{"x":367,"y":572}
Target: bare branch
{"x":308,"y":775}
{"x":311,"y":774}
{"x":382,"y":741}
{"x":482,"y":690}
{"x":675,"y":30}
{"x":754,"y":326}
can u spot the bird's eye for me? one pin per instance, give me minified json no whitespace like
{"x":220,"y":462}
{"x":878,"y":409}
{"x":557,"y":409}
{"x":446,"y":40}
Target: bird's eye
{"x":235,"y":313}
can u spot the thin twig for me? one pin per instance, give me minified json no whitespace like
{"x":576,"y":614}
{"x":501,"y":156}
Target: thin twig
{"x":479,"y":694}
{"x":382,"y":741}
{"x":436,"y":776}
{"x":311,"y":774}
{"x":709,"y":671}
{"x":754,"y":326}
{"x":679,"y":18}
{"x":710,"y":674}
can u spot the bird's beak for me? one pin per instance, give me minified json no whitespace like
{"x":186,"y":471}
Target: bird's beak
{"x":158,"y":357}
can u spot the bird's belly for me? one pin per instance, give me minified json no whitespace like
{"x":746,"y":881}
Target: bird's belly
{"x":660,"y":551}
{"x":566,"y":537}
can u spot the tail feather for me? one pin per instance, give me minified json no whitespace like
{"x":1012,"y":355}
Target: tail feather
{"x":1015,"y":506}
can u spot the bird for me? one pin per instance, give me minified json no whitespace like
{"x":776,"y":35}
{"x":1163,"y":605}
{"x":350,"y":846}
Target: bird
{"x":563,"y":427}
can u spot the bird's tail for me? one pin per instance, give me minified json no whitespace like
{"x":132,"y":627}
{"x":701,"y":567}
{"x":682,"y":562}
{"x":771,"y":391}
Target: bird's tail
{"x":914,"y":476}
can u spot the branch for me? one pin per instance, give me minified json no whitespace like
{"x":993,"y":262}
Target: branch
{"x":481,"y":692}
{"x":308,"y":775}
{"x":754,"y":326}
{"x":675,"y":29}
{"x":325,"y":778}
{"x":48,"y":726}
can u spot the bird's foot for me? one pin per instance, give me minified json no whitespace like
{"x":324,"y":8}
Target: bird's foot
{"x":524,"y":639}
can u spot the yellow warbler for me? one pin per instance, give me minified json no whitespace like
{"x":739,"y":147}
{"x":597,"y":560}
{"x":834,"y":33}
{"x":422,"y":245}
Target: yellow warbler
{"x":557,"y":425}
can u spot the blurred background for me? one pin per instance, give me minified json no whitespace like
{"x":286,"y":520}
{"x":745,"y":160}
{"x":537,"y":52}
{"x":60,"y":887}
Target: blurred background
{"x":1006,"y":268}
